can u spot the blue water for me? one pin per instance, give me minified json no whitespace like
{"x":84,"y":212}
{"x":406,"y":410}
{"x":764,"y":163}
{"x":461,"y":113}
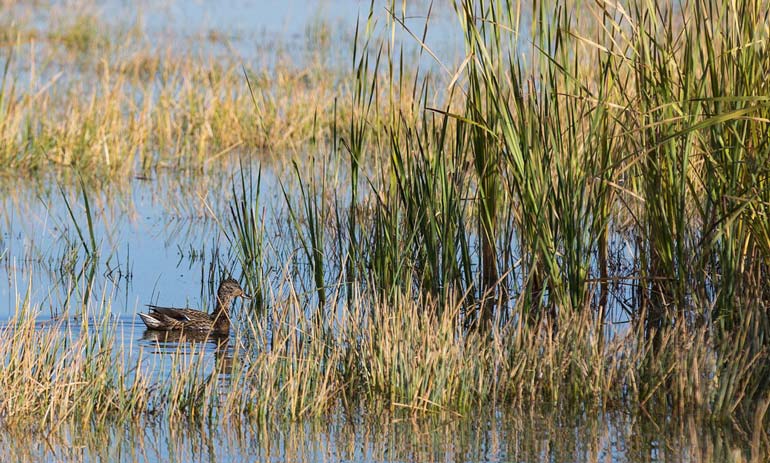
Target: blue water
{"x":258,"y":33}
{"x":257,"y":27}
{"x":534,"y":437}
{"x":159,"y":239}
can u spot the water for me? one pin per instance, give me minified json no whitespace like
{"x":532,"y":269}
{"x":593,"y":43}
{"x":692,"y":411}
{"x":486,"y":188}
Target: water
{"x":160,"y":240}
{"x":530,"y":438}
{"x":138,"y":229}
{"x":256,"y":33}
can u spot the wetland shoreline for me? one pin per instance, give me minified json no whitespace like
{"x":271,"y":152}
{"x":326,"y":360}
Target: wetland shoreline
{"x":565,"y":224}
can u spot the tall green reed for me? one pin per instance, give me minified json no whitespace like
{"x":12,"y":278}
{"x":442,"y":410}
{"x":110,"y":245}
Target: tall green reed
{"x":607,"y":154}
{"x":309,"y":222}
{"x":363,"y":97}
{"x":245,"y":230}
{"x":86,"y":270}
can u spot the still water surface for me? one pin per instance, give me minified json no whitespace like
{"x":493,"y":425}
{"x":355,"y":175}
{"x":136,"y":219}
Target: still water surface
{"x":160,"y":240}
{"x":488,"y":437}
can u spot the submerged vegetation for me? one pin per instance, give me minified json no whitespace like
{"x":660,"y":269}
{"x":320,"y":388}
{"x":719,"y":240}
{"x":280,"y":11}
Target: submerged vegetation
{"x":574,"y":215}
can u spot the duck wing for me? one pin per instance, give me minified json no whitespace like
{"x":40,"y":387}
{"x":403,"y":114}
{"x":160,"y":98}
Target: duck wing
{"x":182,"y":315}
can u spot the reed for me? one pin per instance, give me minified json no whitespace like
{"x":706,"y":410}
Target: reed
{"x":107,"y":100}
{"x":581,"y":222}
{"x":245,"y":232}
{"x":62,"y":373}
{"x":584,"y":186}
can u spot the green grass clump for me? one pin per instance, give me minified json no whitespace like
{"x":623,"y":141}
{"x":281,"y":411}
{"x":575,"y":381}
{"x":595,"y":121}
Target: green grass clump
{"x":81,"y":34}
{"x":613,"y":170}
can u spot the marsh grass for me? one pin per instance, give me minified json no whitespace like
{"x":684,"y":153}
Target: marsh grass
{"x":82,"y":33}
{"x":245,"y":230}
{"x":113,"y":108}
{"x":371,"y":355}
{"x":52,"y":375}
{"x":528,"y":197}
{"x":584,"y":228}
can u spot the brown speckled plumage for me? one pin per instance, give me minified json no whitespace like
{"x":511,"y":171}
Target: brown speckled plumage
{"x":171,"y":319}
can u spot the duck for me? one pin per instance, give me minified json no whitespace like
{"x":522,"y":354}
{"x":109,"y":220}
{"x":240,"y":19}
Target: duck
{"x":217,"y":322}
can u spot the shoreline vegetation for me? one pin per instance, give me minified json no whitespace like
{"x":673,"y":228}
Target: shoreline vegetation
{"x":102,"y":100}
{"x":576,"y":216}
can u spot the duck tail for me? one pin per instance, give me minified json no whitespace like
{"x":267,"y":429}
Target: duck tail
{"x":151,"y":322}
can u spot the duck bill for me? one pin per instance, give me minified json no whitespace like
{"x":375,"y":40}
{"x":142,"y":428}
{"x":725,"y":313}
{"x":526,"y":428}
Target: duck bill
{"x":246,"y":296}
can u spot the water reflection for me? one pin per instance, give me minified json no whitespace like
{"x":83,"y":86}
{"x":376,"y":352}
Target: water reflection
{"x":193,"y":342}
{"x":154,"y":240}
{"x":504,"y":435}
